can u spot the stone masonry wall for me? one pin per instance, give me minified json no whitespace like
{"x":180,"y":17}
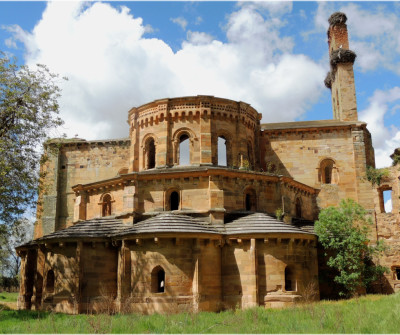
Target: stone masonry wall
{"x":76,"y":163}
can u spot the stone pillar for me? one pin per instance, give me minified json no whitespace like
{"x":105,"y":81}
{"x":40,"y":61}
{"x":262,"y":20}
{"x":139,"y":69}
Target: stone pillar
{"x":78,"y":303}
{"x":80,"y":206}
{"x":22,"y":273}
{"x":134,"y":130}
{"x":48,"y":213}
{"x":254,"y":274}
{"x":205,"y":137}
{"x":28,"y":260}
{"x":364,"y":190}
{"x":341,"y":77}
{"x":39,"y":276}
{"x":124,"y":274}
{"x":162,"y":137}
{"x":196,"y":285}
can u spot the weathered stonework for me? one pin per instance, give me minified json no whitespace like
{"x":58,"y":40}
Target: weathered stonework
{"x":124,"y":226}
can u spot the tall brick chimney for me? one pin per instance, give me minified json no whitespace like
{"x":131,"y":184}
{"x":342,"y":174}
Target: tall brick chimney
{"x":341,"y":77}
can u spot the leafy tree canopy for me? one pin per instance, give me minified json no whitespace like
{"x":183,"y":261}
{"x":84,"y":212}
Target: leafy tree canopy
{"x":343,"y":232}
{"x":28,"y":109}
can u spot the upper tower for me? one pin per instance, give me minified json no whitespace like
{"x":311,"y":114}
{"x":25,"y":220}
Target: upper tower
{"x":341,"y":77}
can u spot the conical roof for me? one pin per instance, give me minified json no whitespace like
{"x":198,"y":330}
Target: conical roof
{"x":256,"y":223}
{"x":95,"y":228}
{"x":260,"y":223}
{"x":171,"y":223}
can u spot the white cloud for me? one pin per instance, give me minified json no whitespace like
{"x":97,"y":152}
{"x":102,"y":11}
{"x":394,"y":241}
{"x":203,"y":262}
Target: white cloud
{"x":180,"y":21}
{"x":388,"y":206}
{"x":112,"y":66}
{"x":373,"y":33}
{"x":385,"y":140}
{"x":197,"y":38}
{"x":275,"y":8}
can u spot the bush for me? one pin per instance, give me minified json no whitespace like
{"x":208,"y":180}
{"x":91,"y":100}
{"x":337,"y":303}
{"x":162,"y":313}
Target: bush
{"x":343,"y":232}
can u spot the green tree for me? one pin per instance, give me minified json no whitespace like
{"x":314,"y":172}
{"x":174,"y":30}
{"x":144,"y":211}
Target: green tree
{"x":18,"y":233}
{"x":343,"y":232}
{"x":28,"y":109}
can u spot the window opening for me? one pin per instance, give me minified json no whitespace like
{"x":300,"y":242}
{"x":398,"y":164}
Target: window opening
{"x":298,"y":208}
{"x":106,"y":206}
{"x":397,"y":273}
{"x":328,"y":174}
{"x":326,"y":170}
{"x":222,"y":152}
{"x":289,"y":279}
{"x":50,"y":281}
{"x":151,"y":154}
{"x":184,"y":150}
{"x":158,"y":280}
{"x":387,"y":201}
{"x":250,"y":200}
{"x":174,"y":201}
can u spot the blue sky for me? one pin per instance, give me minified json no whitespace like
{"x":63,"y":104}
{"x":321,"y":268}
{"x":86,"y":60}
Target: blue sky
{"x":272,"y":55}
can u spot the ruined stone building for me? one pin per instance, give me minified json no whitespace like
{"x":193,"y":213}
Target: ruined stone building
{"x":129,"y":221}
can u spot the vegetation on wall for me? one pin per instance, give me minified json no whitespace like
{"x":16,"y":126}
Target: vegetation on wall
{"x":375,"y":176}
{"x":279,"y":213}
{"x":343,"y":232}
{"x":395,"y":159}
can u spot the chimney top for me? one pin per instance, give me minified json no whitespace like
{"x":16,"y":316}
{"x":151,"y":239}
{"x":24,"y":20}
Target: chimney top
{"x":337,"y":18}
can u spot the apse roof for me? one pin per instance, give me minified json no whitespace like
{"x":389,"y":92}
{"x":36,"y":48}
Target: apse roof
{"x":260,"y":223}
{"x":110,"y":227}
{"x":171,"y":223}
{"x":102,"y":227}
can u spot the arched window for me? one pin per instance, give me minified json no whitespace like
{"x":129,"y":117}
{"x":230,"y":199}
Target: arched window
{"x":184,"y":150}
{"x":289,"y":279}
{"x":174,"y":201}
{"x":222,"y":151}
{"x":158,"y":280}
{"x":298,"y":208}
{"x":50,"y":281}
{"x":326,"y":171}
{"x":150,"y":154}
{"x":250,"y":201}
{"x":106,"y":205}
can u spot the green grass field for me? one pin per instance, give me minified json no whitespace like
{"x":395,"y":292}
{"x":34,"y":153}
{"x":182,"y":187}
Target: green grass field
{"x":8,"y":297}
{"x":370,"y":314}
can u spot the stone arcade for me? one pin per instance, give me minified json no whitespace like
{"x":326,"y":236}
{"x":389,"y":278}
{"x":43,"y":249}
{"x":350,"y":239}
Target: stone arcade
{"x":126,"y":222}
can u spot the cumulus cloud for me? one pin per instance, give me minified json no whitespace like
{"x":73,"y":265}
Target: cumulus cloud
{"x":385,"y":139}
{"x":373,"y":33}
{"x":180,"y":21}
{"x":388,"y":206}
{"x":112,"y":65}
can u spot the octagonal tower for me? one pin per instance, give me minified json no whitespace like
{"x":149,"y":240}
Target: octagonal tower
{"x":158,"y":128}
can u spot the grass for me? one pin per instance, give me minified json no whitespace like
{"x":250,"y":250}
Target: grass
{"x":8,"y":297}
{"x":370,"y":314}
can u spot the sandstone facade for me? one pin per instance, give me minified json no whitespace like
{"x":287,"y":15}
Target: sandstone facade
{"x":127,"y":225}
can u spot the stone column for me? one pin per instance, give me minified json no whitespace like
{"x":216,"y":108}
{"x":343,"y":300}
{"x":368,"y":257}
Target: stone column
{"x":39,"y":276}
{"x":196,"y":286}
{"x":205,"y":137}
{"x":254,"y":274}
{"x":78,"y":303}
{"x":124,"y":274}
